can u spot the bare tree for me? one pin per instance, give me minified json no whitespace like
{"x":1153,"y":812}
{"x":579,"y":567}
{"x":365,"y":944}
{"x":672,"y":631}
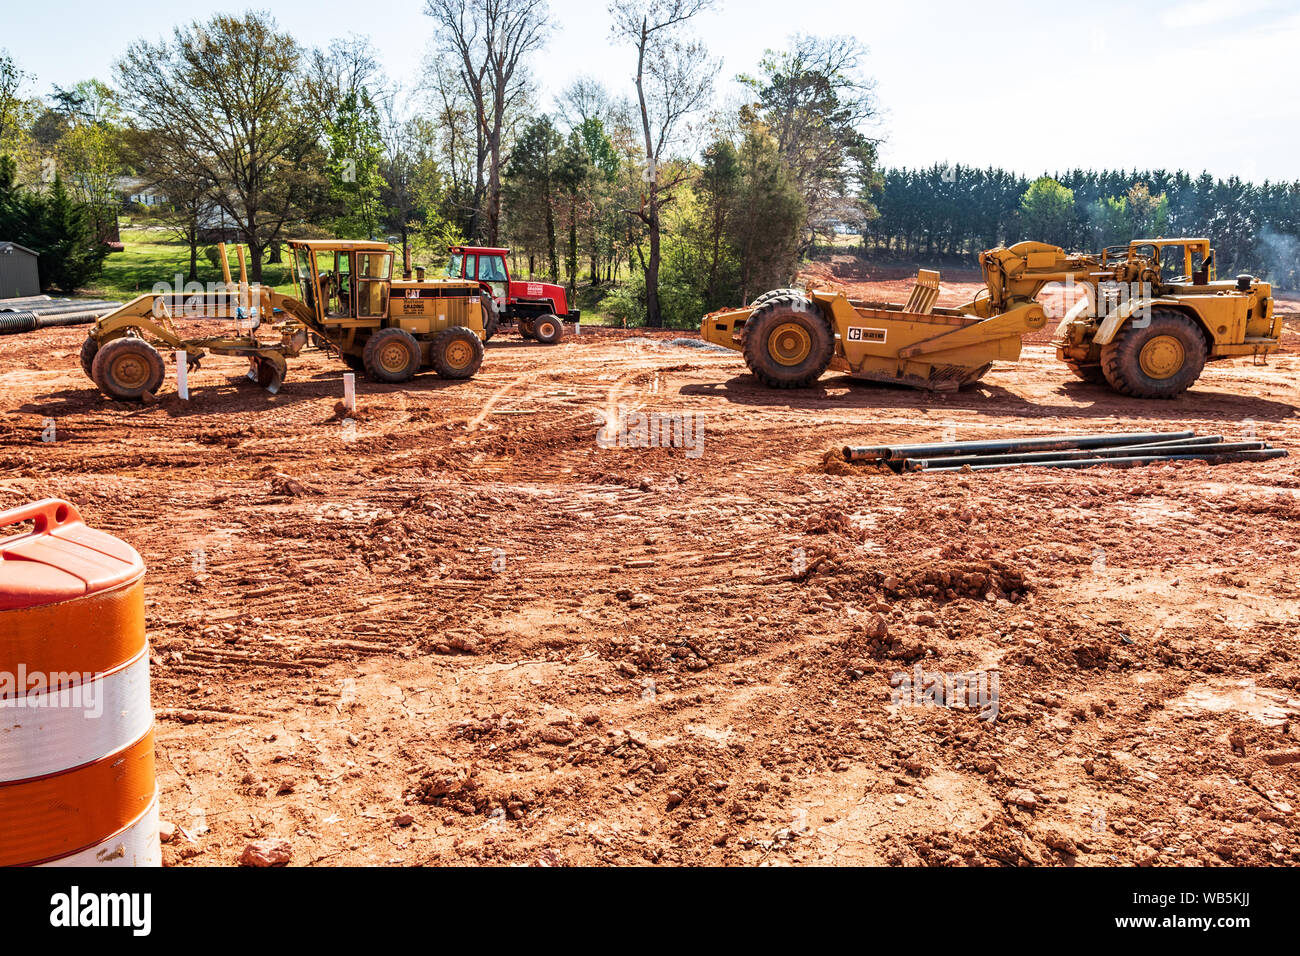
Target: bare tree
{"x":674,"y":79}
{"x":818,"y":105}
{"x":490,"y":40}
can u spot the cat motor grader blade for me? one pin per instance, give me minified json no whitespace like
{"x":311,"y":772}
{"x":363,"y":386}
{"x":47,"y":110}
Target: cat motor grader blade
{"x":121,"y":354}
{"x":789,"y":337}
{"x":348,"y":301}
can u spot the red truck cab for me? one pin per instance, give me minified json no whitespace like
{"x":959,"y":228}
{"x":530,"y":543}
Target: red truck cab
{"x":539,"y":308}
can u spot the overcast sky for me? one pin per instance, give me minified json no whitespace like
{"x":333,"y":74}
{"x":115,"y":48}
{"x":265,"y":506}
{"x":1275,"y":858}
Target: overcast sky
{"x":1193,"y":84}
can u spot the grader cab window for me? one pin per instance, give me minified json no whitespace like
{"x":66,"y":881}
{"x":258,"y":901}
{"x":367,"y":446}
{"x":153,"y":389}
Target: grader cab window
{"x":374,"y":270}
{"x":303,"y":277}
{"x":336,"y":284}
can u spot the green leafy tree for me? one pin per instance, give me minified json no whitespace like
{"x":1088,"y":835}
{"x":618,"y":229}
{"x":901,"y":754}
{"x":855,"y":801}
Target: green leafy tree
{"x":531,"y":192}
{"x":355,"y":156}
{"x":55,"y":226}
{"x":224,"y":96}
{"x":1047,"y":211}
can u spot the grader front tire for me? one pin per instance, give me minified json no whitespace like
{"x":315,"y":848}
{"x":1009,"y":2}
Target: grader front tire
{"x":391,"y":355}
{"x":126,"y":368}
{"x":88,"y":350}
{"x":1160,"y":358}
{"x":457,"y":353}
{"x":788,"y":342}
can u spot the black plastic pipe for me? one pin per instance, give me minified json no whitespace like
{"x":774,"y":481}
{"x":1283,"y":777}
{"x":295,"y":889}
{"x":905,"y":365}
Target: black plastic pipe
{"x":1211,"y":457}
{"x":1047,"y":443}
{"x":1122,"y":451}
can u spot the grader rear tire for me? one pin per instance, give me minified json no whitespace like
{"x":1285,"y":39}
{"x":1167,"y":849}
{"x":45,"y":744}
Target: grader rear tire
{"x":525,"y":328}
{"x":391,"y":355}
{"x":491,"y":317}
{"x":1159,"y":359}
{"x":788,"y":342}
{"x":126,"y":368}
{"x":457,"y":353}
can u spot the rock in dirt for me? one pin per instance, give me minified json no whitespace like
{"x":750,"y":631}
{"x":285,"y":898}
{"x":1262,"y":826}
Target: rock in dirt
{"x":1021,"y":798}
{"x":266,"y":853}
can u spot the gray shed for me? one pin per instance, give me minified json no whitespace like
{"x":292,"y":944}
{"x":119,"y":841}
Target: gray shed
{"x":18,"y":275}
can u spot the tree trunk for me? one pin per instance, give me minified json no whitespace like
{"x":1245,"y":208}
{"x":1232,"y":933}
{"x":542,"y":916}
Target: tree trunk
{"x":653,"y":318}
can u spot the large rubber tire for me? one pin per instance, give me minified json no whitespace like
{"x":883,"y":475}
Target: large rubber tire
{"x":1092,"y":374}
{"x":775,"y":294}
{"x":88,"y":350}
{"x":547,"y":329}
{"x":1158,"y":359}
{"x":457,"y":353}
{"x":126,"y":368}
{"x":525,"y":327}
{"x":788,"y":342}
{"x":491,"y":317}
{"x":391,"y":355}
{"x":354,"y":362}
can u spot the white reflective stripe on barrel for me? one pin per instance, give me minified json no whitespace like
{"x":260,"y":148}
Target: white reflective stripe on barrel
{"x":42,"y":736}
{"x":136,"y":845}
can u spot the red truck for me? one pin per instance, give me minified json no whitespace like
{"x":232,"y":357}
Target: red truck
{"x":540,"y":309}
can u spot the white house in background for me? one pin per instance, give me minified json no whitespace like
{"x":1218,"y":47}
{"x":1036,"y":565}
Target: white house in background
{"x":139,"y":192}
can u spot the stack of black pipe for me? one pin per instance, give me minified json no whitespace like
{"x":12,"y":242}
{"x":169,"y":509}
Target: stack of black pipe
{"x":1118,"y":449}
{"x":42,"y":312}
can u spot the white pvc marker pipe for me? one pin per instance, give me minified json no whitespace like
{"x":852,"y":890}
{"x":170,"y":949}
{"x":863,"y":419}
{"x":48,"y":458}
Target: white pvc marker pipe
{"x":183,"y":375}
{"x":350,"y":391}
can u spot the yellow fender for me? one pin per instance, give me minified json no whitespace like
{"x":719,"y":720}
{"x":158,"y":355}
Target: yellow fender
{"x":1111,"y":325}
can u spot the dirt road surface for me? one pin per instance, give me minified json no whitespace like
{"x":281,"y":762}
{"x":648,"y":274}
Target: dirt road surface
{"x":465,"y":626}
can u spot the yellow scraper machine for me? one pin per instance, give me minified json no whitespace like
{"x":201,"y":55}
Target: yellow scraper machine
{"x":1149,"y":316}
{"x":346,"y":297}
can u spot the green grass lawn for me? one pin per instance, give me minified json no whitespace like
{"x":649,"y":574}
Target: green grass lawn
{"x":151,"y":256}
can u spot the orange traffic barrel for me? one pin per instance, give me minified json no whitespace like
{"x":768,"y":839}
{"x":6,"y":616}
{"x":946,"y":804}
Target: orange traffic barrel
{"x":76,"y":726}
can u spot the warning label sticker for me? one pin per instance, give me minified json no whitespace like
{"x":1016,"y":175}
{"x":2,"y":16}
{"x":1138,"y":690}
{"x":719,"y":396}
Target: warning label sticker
{"x":860,"y":334}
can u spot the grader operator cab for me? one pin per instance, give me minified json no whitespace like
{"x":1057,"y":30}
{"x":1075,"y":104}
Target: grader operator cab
{"x":1148,"y":316}
{"x":347,"y":299}
{"x":390,"y":328}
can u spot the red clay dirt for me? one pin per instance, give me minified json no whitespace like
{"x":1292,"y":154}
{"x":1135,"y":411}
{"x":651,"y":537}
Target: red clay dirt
{"x":459,"y":630}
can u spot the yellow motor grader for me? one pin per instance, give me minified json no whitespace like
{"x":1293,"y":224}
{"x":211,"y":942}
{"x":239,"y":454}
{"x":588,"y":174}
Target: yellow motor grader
{"x":1133,"y":327}
{"x":347,"y":299}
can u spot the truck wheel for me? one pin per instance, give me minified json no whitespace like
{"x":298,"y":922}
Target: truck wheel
{"x":774,"y":294}
{"x":391,"y":355}
{"x":457,"y":353}
{"x":88,"y":350}
{"x":1092,"y":374}
{"x":525,"y":328}
{"x":1160,"y":359}
{"x":491,"y":317}
{"x":547,"y":329}
{"x":126,"y":368}
{"x":788,"y":342}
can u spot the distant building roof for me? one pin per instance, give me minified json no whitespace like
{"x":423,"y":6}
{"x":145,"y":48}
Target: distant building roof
{"x":8,"y":246}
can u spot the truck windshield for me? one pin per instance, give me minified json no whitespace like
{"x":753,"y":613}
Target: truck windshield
{"x":453,"y":267}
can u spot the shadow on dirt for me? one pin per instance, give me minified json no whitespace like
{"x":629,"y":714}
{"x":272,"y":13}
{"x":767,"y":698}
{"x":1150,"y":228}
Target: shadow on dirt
{"x":1094,"y":401}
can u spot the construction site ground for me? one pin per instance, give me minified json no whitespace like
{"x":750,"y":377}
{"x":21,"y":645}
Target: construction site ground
{"x":456,"y":628}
